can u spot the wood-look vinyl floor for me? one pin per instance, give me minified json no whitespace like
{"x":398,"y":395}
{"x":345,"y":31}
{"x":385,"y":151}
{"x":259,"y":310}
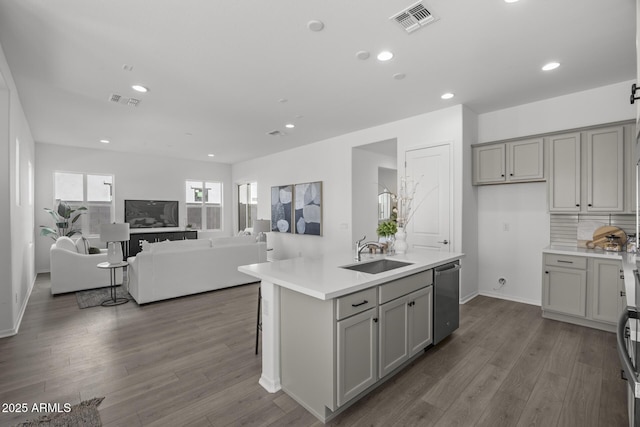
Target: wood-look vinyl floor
{"x":190,"y":362}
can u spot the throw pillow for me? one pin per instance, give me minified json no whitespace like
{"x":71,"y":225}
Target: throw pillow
{"x":82,"y":246}
{"x":94,"y":250}
{"x":66,"y":243}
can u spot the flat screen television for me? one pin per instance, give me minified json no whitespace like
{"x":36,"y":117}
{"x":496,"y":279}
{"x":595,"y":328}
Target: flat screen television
{"x":151,"y":213}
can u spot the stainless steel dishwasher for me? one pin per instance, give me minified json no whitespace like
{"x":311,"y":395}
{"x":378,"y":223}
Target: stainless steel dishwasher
{"x":446,"y":300}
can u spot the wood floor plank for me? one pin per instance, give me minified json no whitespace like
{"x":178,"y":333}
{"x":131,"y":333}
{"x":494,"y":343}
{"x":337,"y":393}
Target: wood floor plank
{"x":503,"y":410}
{"x":525,"y":372}
{"x":581,"y":406}
{"x":474,"y":398}
{"x":191,"y":361}
{"x":544,"y":406}
{"x":454,"y":382}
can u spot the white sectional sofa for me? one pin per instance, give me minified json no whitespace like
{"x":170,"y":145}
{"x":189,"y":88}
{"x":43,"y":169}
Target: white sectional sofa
{"x":172,"y":269}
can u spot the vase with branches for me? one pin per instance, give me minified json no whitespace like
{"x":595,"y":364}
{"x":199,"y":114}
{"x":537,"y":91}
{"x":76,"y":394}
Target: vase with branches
{"x":405,"y":200}
{"x":64,"y":219}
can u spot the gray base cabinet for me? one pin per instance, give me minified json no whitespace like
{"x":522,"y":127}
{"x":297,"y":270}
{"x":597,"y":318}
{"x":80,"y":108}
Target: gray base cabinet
{"x":357,"y":354}
{"x":335,"y":351}
{"x":587,"y":291}
{"x":405,"y":328}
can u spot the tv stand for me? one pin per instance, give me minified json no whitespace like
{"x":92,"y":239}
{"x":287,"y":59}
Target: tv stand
{"x":136,"y":236}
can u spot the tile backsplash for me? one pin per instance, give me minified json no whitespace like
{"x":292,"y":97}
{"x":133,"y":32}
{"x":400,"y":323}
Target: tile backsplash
{"x":564,"y":228}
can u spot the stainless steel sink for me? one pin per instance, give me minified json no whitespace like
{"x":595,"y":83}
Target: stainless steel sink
{"x":378,"y":266}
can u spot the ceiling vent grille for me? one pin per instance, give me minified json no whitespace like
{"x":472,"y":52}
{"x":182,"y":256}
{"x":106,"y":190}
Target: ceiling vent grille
{"x":123,"y":100}
{"x":414,"y":17}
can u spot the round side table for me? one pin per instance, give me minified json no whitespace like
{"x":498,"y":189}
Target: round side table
{"x":112,"y":267}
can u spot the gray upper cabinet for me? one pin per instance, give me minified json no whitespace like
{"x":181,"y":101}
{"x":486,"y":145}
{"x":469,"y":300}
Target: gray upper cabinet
{"x":588,"y":172}
{"x":605,"y":170}
{"x":564,"y":173}
{"x":508,"y":162}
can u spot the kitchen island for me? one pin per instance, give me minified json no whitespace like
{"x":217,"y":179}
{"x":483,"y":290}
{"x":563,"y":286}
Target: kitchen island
{"x":320,"y":324}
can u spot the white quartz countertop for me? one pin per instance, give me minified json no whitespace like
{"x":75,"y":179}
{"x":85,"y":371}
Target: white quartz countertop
{"x":321,"y":277}
{"x":628,"y":260}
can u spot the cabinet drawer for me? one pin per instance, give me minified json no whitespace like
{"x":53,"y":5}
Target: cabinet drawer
{"x":566,"y":261}
{"x":404,"y":286}
{"x":357,"y":302}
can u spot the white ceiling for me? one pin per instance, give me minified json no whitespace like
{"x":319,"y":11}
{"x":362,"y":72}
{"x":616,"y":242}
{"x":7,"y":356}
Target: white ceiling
{"x":217,"y":70}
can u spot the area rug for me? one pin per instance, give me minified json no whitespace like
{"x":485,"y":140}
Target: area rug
{"x":84,"y":414}
{"x":95,"y":297}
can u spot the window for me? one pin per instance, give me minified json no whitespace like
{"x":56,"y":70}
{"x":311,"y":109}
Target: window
{"x":247,"y":205}
{"x":204,"y":205}
{"x":95,"y":192}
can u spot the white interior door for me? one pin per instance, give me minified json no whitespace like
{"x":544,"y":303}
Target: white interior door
{"x":428,"y":228}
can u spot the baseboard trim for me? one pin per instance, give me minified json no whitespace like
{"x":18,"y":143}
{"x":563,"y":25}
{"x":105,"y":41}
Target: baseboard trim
{"x":510,"y":298}
{"x":468,"y":298}
{"x":14,"y":331}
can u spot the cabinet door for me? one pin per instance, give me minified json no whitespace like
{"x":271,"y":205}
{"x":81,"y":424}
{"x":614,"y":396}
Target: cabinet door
{"x":564,"y":173}
{"x":489,"y":164}
{"x":525,"y":160}
{"x":606,"y":295}
{"x":357,"y":354}
{"x":419,"y":318}
{"x":565,"y":291}
{"x":605,"y":170}
{"x":394,"y":335}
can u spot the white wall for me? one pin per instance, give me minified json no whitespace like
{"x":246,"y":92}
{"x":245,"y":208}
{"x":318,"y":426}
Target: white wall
{"x":516,"y":254}
{"x":365,"y":178}
{"x":16,"y":206}
{"x":330,"y":161}
{"x":135,"y":177}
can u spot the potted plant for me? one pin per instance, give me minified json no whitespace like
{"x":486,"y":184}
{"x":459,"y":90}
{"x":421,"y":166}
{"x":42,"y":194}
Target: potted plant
{"x":64,"y":218}
{"x":387,"y":228}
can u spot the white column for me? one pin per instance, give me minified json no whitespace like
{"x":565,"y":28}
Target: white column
{"x":270,"y":378}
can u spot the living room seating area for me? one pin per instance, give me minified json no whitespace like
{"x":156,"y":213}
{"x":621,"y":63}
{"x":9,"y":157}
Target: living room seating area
{"x":172,"y":269}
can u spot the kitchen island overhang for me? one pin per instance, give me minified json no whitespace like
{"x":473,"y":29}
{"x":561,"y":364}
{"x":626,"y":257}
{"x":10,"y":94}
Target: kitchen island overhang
{"x":321,"y":278}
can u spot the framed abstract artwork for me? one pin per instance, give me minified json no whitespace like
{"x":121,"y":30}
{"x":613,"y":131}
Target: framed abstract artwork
{"x":282,"y":208}
{"x":308,"y":208}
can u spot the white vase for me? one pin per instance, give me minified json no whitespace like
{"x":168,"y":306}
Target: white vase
{"x":400,"y":244}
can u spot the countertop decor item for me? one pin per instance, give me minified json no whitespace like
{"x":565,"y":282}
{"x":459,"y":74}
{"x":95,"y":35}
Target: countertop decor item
{"x":601,"y":239}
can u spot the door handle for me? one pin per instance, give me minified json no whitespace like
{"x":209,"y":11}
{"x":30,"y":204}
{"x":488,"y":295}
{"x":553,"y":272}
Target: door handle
{"x":445,"y":242}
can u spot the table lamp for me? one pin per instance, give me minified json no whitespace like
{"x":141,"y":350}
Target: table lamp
{"x":260,"y":227}
{"x":114,"y":234}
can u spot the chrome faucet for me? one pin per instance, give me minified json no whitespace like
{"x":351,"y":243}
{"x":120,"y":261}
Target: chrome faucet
{"x":359,"y":247}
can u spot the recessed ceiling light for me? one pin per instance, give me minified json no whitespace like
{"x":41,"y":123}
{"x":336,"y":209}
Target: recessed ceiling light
{"x":447,"y":95}
{"x":510,"y":1}
{"x":289,"y":125}
{"x":139,"y":88}
{"x":362,"y":55}
{"x":550,"y":66}
{"x":105,"y":141}
{"x":211,"y":155}
{"x":385,"y":55}
{"x":315,"y":25}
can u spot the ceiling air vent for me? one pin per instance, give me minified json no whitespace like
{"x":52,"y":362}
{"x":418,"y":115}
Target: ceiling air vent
{"x":414,"y":17}
{"x":276,"y":133}
{"x":123,"y":100}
